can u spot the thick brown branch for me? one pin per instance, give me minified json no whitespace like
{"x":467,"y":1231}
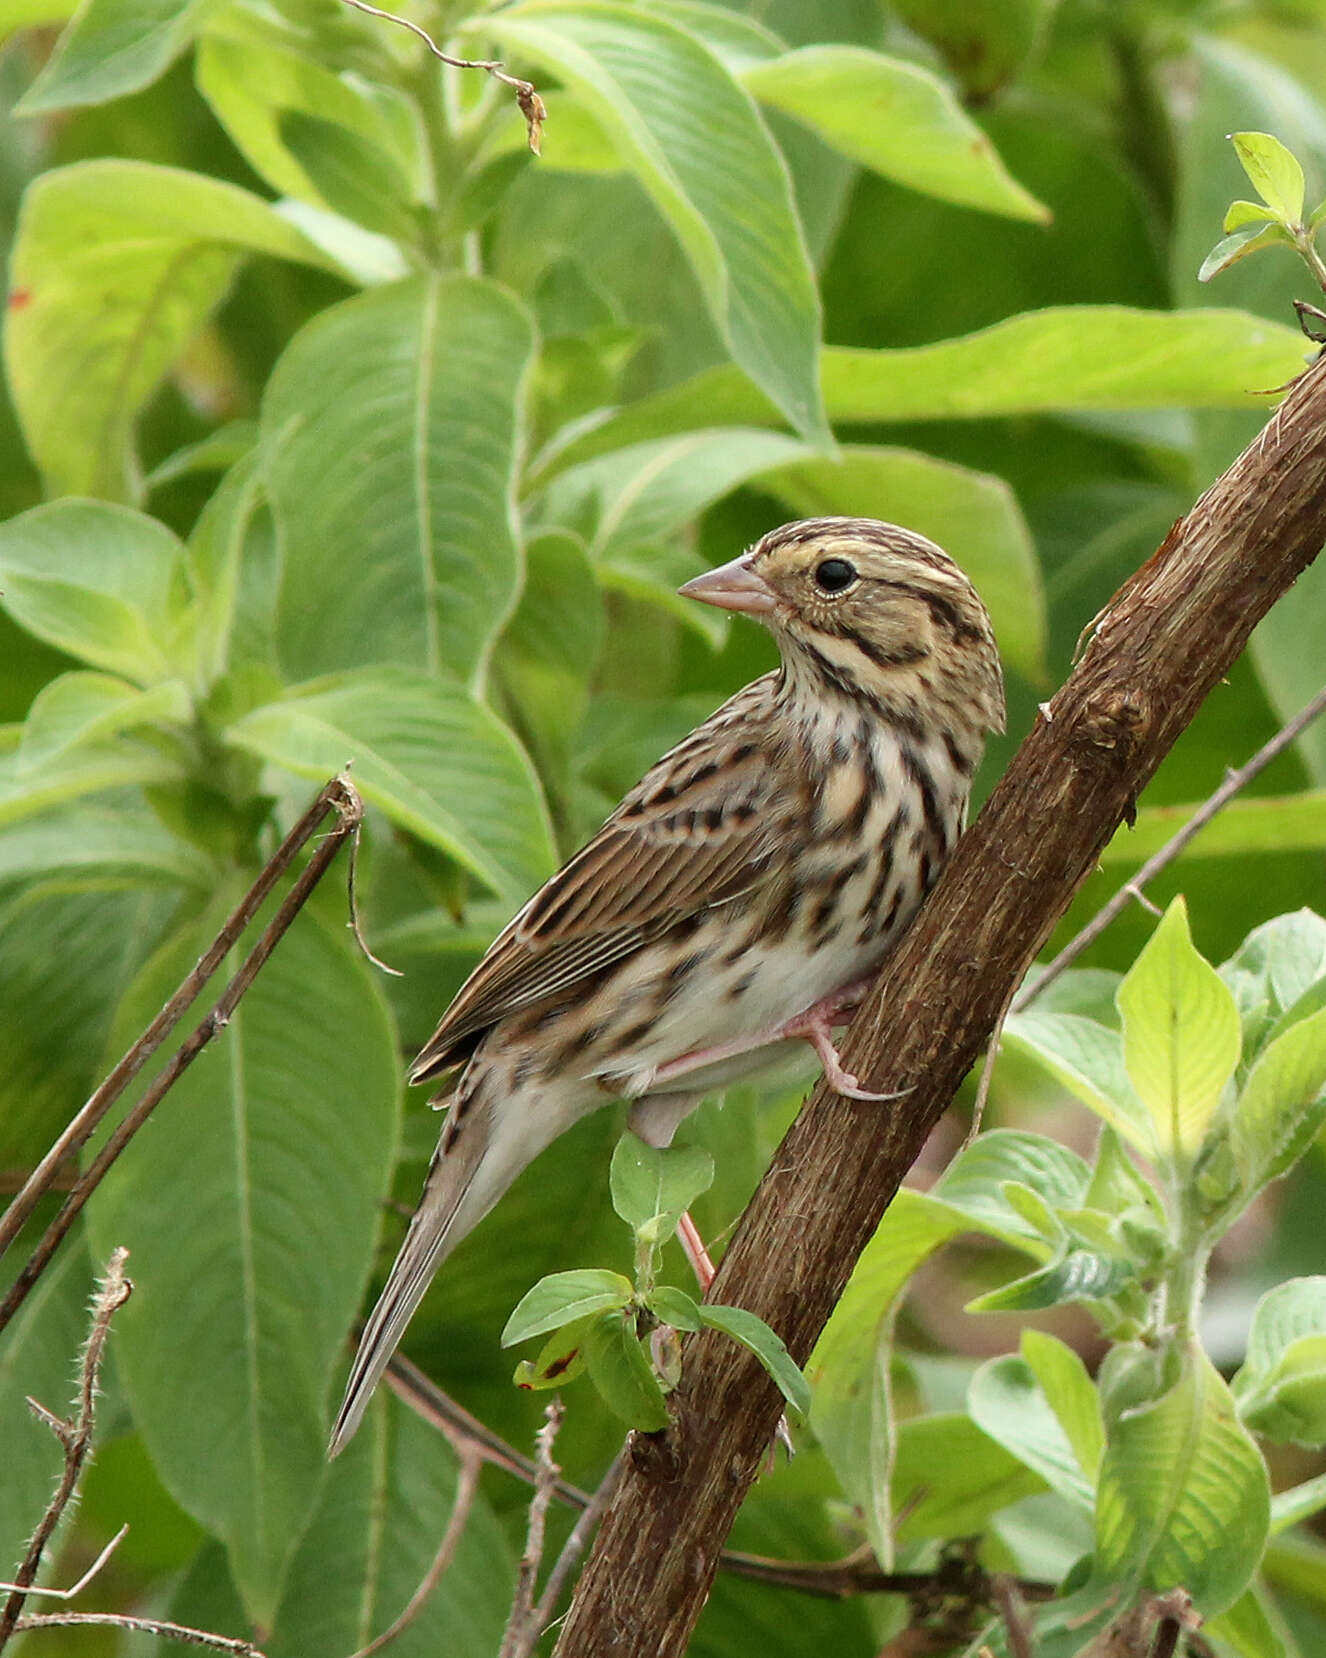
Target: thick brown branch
{"x":1171,"y":633}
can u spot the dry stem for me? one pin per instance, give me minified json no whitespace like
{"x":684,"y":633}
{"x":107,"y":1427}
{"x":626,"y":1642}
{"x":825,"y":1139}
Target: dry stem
{"x":75,"y":1437}
{"x":339,"y":796}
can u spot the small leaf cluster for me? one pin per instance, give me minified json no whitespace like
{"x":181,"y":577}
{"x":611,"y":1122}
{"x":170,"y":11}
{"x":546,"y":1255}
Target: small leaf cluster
{"x":1277,"y":219}
{"x":1210,"y":1083}
{"x":625,"y":1335}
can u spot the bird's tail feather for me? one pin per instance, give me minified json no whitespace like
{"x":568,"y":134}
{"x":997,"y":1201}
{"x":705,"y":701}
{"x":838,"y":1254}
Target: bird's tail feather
{"x":442,"y":1219}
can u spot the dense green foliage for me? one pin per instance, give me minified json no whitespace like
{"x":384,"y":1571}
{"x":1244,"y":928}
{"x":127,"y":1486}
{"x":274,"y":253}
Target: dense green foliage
{"x":341,"y":429}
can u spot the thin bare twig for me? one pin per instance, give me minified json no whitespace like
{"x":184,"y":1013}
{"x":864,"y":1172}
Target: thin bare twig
{"x":75,"y":1437}
{"x":144,"y":1626}
{"x":1132,"y":890}
{"x":521,"y":1630}
{"x":338,"y":796}
{"x":467,"y":1485}
{"x":574,"y":1547}
{"x":531,"y":105}
{"x":75,"y":1589}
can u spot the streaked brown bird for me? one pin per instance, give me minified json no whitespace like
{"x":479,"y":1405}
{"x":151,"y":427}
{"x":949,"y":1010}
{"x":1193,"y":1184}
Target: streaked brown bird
{"x":737,"y":899}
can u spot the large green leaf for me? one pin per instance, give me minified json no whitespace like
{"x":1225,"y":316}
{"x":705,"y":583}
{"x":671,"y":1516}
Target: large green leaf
{"x":69,"y":938}
{"x":1059,"y":360}
{"x":390,"y":430}
{"x":432,"y":757}
{"x":384,"y":1508}
{"x":111,"y":47}
{"x":972,"y":515}
{"x":896,"y":118}
{"x":1087,"y":1058}
{"x":101,"y":582}
{"x":252,"y":82}
{"x":694,"y":139}
{"x":1181,"y":1033}
{"x":116,"y":266}
{"x":979,"y":1477}
{"x":1283,"y":1103}
{"x":251,"y":1210}
{"x":115,"y":837}
{"x":81,"y":708}
{"x":1183,"y":1497}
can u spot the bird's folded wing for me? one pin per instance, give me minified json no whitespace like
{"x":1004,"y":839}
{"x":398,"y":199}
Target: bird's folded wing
{"x":709,"y":822}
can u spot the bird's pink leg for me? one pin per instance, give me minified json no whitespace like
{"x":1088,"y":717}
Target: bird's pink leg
{"x":814,"y":1025}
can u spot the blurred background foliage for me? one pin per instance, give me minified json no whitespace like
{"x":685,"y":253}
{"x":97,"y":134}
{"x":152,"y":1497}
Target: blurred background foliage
{"x":339,"y":428}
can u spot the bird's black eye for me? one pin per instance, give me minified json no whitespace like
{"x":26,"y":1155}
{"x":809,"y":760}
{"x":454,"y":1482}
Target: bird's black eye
{"x":834,"y":575}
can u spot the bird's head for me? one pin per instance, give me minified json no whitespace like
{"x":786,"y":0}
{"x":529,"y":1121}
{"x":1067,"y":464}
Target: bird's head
{"x":872,"y":611}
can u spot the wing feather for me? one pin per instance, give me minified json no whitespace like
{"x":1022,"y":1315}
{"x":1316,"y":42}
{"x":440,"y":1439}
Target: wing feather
{"x":703,"y":826}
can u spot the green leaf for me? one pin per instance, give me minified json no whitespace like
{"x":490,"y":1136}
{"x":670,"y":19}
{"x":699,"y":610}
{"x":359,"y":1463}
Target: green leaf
{"x":389,"y":435}
{"x":620,"y":1370}
{"x":1071,"y":1395}
{"x":1283,"y":1103}
{"x":756,"y":1336}
{"x":122,"y":839}
{"x":652,"y":1186}
{"x":1253,"y":1627}
{"x":1279,"y":962}
{"x":118,"y":264}
{"x":100,"y":582}
{"x":566,"y":1298}
{"x":1087,"y":1058}
{"x":69,"y":938}
{"x":1230,"y":249}
{"x":975,"y":517}
{"x":1299,"y":1503}
{"x":647,"y":491}
{"x":558,"y":1361}
{"x":384,"y":1505}
{"x":674,"y":1307}
{"x":548,"y":652}
{"x":249,"y":1270}
{"x":80,"y":708}
{"x":1077,"y":1275}
{"x":256,"y":83}
{"x":1183,"y":1497}
{"x":851,"y":1402}
{"x":425,"y":751}
{"x":1063,"y":359}
{"x":694,"y":139}
{"x":1274,"y":172}
{"x":895,"y":118}
{"x":75,"y":772}
{"x":1181,"y":1033}
{"x":1007,"y":1401}
{"x":352,"y":174}
{"x":1243,"y":213}
{"x":1257,"y":824}
{"x":950,"y":1478}
{"x":1281,"y":1389}
{"x":232,"y":559}
{"x":112,"y":47}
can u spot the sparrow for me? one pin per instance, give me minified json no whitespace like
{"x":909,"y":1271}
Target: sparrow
{"x":739,"y":898}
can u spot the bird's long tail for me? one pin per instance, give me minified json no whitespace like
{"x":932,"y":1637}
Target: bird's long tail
{"x":449,"y":1208}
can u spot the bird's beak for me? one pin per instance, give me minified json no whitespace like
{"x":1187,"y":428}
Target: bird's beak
{"x":733,"y":586}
